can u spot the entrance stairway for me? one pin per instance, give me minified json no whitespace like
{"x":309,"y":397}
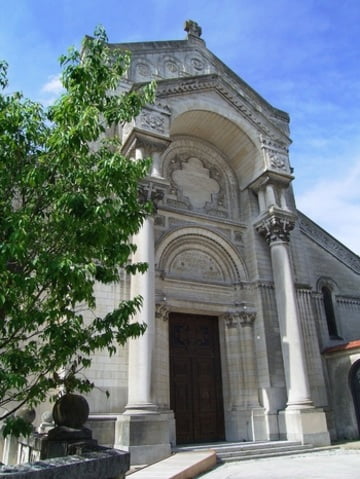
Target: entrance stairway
{"x":237,"y":451}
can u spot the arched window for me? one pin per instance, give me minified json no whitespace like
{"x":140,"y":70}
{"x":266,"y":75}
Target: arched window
{"x":329,"y":312}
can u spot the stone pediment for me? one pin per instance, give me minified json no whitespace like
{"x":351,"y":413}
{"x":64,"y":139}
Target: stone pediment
{"x":185,"y":66}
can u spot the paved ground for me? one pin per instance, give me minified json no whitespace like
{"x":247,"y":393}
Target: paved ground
{"x":341,"y":463}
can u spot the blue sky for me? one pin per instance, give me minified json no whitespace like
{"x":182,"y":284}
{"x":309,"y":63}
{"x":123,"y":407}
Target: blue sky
{"x":301,"y":56}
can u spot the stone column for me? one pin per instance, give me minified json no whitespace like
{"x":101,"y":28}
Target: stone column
{"x":276,"y":225}
{"x":276,"y":229}
{"x":141,"y":348}
{"x":143,"y":429}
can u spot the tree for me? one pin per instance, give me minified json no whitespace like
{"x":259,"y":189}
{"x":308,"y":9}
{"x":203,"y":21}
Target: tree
{"x":68,"y":206}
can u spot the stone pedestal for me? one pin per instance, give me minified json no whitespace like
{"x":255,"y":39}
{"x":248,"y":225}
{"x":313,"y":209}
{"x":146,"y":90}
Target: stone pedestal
{"x":146,"y":436}
{"x":305,"y":425}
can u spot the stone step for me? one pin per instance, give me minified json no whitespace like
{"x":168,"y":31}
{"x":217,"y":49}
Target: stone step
{"x":238,"y":451}
{"x":229,"y":446}
{"x":239,"y":455}
{"x":269,"y":454}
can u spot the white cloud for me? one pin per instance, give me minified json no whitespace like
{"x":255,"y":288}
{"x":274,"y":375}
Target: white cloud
{"x":335,"y":204}
{"x":51,"y":90}
{"x":53,"y":85}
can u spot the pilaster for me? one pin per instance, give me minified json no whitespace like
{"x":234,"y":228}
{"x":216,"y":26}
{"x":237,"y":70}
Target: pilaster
{"x":245,"y":420}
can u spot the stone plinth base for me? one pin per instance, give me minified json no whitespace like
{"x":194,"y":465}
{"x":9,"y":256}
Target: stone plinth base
{"x":238,"y":425}
{"x":246,"y":425}
{"x":147,"y":436}
{"x":305,"y":425}
{"x":258,"y":425}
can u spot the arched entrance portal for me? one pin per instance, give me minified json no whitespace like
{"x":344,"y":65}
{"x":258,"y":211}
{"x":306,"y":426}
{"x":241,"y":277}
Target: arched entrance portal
{"x":355,"y":389}
{"x":195,"y":378}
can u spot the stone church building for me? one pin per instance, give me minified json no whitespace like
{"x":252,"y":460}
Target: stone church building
{"x":252,"y":310}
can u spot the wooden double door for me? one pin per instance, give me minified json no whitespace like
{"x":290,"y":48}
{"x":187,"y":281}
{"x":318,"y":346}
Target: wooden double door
{"x":195,"y":378}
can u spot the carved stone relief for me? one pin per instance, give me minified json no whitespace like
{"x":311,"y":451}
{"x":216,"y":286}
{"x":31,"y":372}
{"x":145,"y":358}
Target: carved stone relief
{"x":197,"y":265}
{"x":197,"y":64}
{"x":276,"y":154}
{"x":152,"y":121}
{"x":197,"y":181}
{"x":142,"y":70}
{"x":171,"y":69}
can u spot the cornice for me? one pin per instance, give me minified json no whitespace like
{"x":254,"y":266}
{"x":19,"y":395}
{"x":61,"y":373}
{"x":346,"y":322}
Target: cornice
{"x":328,"y":243}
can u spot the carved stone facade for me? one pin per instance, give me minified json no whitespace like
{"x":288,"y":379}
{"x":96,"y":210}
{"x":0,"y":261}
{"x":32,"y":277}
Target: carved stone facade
{"x":226,"y":243}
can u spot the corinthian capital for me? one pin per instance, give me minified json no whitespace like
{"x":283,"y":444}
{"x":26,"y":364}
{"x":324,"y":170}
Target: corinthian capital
{"x":230,"y":319}
{"x":276,"y":225}
{"x":162,"y":311}
{"x":247,"y":318}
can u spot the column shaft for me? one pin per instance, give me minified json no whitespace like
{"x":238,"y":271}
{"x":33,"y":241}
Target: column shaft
{"x":141,"y":349}
{"x":292,"y":342}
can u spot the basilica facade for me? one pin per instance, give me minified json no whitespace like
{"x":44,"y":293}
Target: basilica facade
{"x":252,"y":310}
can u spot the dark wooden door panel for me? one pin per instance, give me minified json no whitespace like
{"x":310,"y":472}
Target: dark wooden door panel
{"x":195,"y":378}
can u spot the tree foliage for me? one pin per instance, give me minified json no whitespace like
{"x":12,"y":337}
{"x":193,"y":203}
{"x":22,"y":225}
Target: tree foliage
{"x":68,"y":206}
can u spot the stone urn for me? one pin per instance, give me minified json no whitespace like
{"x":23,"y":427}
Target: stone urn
{"x":71,"y":410}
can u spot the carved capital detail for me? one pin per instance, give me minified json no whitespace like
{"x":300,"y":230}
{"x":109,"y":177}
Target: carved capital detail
{"x":162,"y":311}
{"x":247,"y":318}
{"x":230,"y":319}
{"x":276,"y":226}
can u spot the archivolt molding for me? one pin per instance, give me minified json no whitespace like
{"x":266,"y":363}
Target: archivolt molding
{"x":199,"y":254}
{"x":327,"y":282}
